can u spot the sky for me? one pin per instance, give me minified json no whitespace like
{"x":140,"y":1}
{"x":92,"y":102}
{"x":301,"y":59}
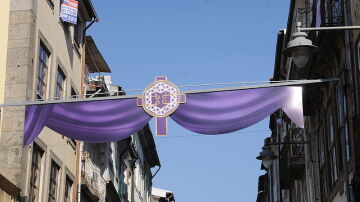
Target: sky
{"x":195,"y":42}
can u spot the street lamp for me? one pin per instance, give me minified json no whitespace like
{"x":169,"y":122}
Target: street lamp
{"x":300,"y":48}
{"x":266,"y":156}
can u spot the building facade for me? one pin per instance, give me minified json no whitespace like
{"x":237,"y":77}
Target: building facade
{"x":138,"y":156}
{"x":325,"y":165}
{"x":44,"y":58}
{"x":41,"y":58}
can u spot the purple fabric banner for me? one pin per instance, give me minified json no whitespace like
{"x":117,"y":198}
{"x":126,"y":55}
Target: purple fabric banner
{"x":206,"y":113}
{"x":96,"y":121}
{"x":228,"y":111}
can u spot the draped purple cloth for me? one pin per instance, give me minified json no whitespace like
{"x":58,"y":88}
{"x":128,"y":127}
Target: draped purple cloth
{"x":205,"y":113}
{"x":228,"y":111}
{"x":96,"y":121}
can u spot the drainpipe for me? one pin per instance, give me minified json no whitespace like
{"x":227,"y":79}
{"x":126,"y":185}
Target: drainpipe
{"x":79,"y":144}
{"x":83,"y":53}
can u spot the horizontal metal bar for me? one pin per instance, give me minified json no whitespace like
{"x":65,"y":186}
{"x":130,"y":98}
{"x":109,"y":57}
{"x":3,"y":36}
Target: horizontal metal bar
{"x":328,"y":28}
{"x":281,"y":143}
{"x":68,"y":101}
{"x":288,"y":83}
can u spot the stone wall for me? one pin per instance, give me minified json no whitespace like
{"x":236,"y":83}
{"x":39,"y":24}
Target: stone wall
{"x":18,"y":88}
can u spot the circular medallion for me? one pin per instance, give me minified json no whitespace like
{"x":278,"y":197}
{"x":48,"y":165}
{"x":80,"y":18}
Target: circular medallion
{"x":161,"y":98}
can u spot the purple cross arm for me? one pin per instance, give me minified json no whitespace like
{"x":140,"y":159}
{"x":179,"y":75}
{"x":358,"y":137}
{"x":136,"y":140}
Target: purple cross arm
{"x":161,"y":126}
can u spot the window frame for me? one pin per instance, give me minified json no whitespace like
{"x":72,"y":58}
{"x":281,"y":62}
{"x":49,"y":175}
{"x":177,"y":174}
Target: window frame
{"x":54,"y":182}
{"x":331,"y":146}
{"x":60,"y":88}
{"x":51,"y":4}
{"x":68,"y":190}
{"x":39,"y":152}
{"x":343,"y":126}
{"x":43,"y":68}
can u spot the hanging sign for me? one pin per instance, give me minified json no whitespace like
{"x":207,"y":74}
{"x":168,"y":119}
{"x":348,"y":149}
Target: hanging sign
{"x":68,"y":11}
{"x":160,"y":99}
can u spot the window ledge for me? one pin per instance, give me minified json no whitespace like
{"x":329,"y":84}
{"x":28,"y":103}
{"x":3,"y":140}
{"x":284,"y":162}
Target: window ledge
{"x":77,"y":48}
{"x":71,"y":143}
{"x":51,"y":4}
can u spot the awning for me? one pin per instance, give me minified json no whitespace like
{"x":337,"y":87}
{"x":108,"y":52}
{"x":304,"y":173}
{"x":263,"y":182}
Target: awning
{"x":93,"y":59}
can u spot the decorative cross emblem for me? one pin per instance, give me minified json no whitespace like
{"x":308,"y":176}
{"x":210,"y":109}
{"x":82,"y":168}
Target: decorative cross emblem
{"x":160,"y":99}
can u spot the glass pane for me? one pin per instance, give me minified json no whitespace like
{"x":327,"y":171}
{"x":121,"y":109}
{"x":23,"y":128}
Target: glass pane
{"x":334,"y":164}
{"x":330,"y":129}
{"x":53,"y":178}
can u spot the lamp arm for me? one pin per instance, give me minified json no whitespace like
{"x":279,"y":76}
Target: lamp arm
{"x":328,"y":28}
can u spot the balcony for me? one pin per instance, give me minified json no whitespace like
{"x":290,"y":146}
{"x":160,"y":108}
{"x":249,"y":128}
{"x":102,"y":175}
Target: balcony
{"x":92,"y":179}
{"x":333,"y":13}
{"x":293,"y":157}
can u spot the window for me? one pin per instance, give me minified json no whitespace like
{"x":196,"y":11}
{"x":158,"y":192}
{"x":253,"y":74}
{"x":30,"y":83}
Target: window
{"x":321,"y":149}
{"x":51,"y":4}
{"x":60,"y":84}
{"x":318,"y":14}
{"x":35,"y":173}
{"x":78,"y":32}
{"x":73,"y":93}
{"x":342,"y":120}
{"x":53,"y":184}
{"x":68,"y":188}
{"x":324,"y":184}
{"x":87,"y":77}
{"x":333,"y":12}
{"x":332,"y":148}
{"x":43,"y":67}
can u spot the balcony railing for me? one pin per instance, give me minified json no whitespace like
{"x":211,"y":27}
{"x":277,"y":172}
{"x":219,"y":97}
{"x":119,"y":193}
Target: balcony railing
{"x":91,"y":173}
{"x":334,"y":13}
{"x":292,"y":157}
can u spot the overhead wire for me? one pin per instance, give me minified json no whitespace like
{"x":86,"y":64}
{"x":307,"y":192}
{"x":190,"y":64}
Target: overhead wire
{"x":183,"y":86}
{"x":215,"y":135}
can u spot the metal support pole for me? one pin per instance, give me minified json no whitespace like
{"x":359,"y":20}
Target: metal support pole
{"x":328,"y":28}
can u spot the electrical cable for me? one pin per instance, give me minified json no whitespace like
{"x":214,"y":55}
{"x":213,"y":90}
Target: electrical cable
{"x":203,"y":135}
